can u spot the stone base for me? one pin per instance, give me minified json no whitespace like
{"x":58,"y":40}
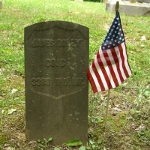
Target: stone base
{"x":128,"y":8}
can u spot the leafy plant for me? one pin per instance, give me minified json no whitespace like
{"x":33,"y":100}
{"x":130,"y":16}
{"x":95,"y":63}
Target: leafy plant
{"x":74,"y":143}
{"x":44,"y":144}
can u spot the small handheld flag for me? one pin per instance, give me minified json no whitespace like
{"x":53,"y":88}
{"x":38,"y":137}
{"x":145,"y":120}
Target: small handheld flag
{"x":110,"y":66}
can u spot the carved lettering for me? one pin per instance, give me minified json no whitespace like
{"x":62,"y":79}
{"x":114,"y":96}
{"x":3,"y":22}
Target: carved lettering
{"x":62,"y":42}
{"x":68,"y":42}
{"x":52,"y":42}
{"x":43,"y":42}
{"x":61,"y":81}
{"x":57,"y":82}
{"x":40,"y":82}
{"x":55,"y":62}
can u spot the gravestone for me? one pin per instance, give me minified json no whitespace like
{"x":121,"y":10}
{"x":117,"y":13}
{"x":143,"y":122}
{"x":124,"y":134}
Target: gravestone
{"x":56,"y":86}
{"x":137,"y":8}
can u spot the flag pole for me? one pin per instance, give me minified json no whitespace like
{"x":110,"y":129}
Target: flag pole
{"x":117,"y":6}
{"x":108,"y":97}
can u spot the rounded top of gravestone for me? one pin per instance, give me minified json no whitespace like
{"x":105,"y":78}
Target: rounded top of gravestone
{"x":57,"y":55}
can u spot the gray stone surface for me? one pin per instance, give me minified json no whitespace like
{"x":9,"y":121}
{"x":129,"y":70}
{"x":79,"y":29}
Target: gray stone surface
{"x":133,"y":9}
{"x":146,"y":1}
{"x":56,"y":85}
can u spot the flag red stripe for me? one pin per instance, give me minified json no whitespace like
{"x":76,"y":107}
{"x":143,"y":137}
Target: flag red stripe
{"x":116,"y":54}
{"x":130,"y":71}
{"x":91,"y":81}
{"x":98,"y":77}
{"x":123,"y":61}
{"x":109,"y":64}
{"x":100,"y":82}
{"x":99,"y":56}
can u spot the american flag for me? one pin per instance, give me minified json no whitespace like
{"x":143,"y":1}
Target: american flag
{"x":110,"y":66}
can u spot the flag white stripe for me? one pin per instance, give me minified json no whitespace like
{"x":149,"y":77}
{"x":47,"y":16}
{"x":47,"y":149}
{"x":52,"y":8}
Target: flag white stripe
{"x":114,"y":66}
{"x":101,"y":73}
{"x":107,"y":70}
{"x":95,"y":79}
{"x":120,"y":63}
{"x":126,"y":59}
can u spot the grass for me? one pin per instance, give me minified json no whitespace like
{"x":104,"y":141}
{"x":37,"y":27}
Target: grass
{"x":128,"y":125}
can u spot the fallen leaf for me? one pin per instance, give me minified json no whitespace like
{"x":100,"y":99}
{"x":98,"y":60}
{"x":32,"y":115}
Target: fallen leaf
{"x":1,"y":98}
{"x":10,"y":111}
{"x":117,"y":109}
{"x":140,"y":128}
{"x":56,"y":148}
{"x":104,"y":94}
{"x":10,"y":148}
{"x":20,"y":136}
{"x":1,"y":70}
{"x":143,"y":38}
{"x":13,"y":91}
{"x":3,"y":111}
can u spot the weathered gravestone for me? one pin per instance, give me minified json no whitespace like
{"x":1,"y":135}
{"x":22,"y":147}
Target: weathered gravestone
{"x":138,"y":8}
{"x":56,"y":86}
